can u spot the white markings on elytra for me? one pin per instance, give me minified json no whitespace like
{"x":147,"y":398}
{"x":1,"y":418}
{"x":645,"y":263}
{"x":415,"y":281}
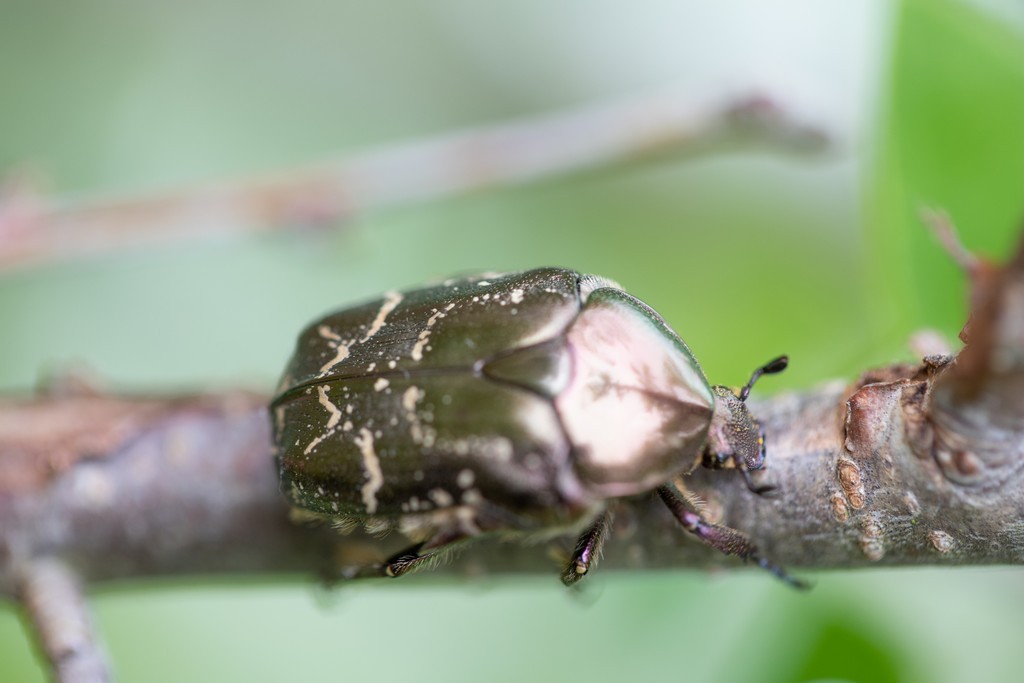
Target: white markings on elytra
{"x":465,"y":478}
{"x":381,"y":384}
{"x":343,"y":348}
{"x":328,"y":333}
{"x":391,"y":300}
{"x":314,"y":443}
{"x":332,"y":421}
{"x":371,"y":464}
{"x":418,"y":432}
{"x":340,"y":347}
{"x":441,"y":498}
{"x":517,"y":296}
{"x":424,"y":336}
{"x":410,"y":398}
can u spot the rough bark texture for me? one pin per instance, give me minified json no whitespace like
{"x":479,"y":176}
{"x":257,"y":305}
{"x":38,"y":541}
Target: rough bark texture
{"x":36,"y":230}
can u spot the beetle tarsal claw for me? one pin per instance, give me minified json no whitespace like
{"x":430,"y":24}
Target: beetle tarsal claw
{"x":588,"y":549}
{"x":403,"y":561}
{"x":395,"y":568}
{"x":779,"y":572}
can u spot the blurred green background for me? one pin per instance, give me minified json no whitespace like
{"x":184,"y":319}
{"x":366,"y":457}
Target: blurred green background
{"x":747,"y":254}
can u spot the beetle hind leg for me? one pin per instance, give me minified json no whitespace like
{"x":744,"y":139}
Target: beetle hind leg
{"x":423,"y":554}
{"x":588,"y":549}
{"x":721,"y":538}
{"x":406,"y":560}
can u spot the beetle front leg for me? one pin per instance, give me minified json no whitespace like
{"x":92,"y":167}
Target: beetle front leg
{"x":767,"y":490}
{"x":720,"y":461}
{"x":588,"y":549}
{"x":721,"y":538}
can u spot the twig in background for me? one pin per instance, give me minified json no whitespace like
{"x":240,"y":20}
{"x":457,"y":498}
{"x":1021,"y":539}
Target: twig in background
{"x":35,"y":230}
{"x":939,"y":223}
{"x":62,"y":623}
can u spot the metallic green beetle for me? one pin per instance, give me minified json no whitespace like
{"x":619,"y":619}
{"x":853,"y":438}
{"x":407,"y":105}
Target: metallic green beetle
{"x":505,"y":403}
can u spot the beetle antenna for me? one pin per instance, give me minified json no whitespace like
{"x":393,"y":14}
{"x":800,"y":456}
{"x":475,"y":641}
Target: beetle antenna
{"x":770,"y":368}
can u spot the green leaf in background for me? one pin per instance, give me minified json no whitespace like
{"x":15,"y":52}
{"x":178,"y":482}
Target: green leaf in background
{"x":952,"y":138}
{"x":844,"y":652}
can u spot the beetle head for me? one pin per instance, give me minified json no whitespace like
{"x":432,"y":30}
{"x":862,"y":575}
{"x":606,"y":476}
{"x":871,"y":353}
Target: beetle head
{"x":735,"y":439}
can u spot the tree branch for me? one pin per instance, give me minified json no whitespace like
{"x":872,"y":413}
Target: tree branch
{"x":910,"y":465}
{"x":36,"y":230}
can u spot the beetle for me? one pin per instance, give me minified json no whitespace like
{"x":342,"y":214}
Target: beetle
{"x":518,"y":403}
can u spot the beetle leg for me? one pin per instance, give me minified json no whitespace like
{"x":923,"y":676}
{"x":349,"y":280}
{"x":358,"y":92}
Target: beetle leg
{"x":767,"y":490}
{"x":588,"y":549}
{"x":416,"y":556}
{"x":721,"y":538}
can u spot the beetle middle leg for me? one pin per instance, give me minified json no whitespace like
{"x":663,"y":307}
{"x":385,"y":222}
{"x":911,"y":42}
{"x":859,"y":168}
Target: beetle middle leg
{"x":721,"y":538}
{"x":588,"y":549}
